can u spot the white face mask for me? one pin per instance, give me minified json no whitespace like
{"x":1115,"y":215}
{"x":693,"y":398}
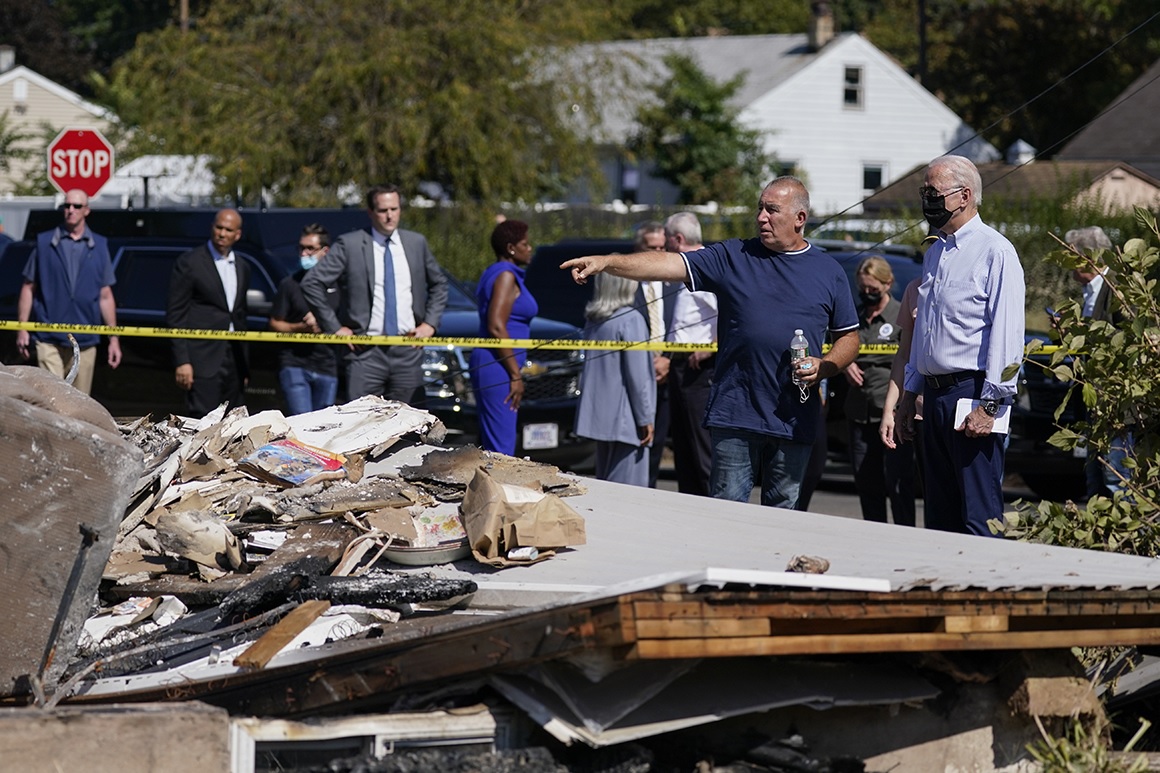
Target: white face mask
{"x":308,"y":262}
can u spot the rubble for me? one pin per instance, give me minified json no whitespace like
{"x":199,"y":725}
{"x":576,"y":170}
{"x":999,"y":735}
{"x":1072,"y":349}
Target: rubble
{"x":241,"y":520}
{"x":399,"y":588}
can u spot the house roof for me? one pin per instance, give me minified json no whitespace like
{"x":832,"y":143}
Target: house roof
{"x":765,"y":60}
{"x":1126,"y":128}
{"x":1040,"y":178}
{"x":55,"y":89}
{"x":171,"y":178}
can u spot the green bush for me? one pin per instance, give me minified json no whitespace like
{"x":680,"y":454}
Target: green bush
{"x":1118,"y":376}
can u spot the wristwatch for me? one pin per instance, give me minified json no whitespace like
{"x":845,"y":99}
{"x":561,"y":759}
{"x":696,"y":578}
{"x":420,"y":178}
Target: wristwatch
{"x":990,"y":407}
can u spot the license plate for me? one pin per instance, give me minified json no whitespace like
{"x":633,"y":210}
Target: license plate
{"x":541,"y":436}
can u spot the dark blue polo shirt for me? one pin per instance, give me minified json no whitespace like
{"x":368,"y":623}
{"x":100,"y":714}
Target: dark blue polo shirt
{"x":762,"y":297}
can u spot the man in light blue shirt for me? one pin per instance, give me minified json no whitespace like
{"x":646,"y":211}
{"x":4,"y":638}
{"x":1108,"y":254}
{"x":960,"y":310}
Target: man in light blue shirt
{"x":968,"y":330}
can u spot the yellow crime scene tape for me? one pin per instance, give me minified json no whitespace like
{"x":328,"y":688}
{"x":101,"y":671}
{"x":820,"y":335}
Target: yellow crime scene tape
{"x":330,"y":338}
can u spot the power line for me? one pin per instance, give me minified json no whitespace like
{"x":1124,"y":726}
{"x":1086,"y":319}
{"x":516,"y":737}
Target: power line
{"x":978,"y":134}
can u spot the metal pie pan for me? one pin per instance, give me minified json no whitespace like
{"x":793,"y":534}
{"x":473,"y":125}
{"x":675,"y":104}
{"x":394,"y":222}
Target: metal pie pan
{"x":443,"y":553}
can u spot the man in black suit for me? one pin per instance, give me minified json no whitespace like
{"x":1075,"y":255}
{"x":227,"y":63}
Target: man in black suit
{"x":207,"y":291}
{"x":388,"y":284}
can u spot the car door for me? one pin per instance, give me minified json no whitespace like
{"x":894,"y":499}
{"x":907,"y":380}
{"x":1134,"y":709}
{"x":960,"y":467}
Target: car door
{"x":144,"y":382}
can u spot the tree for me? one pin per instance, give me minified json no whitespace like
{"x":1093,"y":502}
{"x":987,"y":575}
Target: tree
{"x":107,"y":29}
{"x":695,"y":140}
{"x":312,"y":95}
{"x":11,"y":143}
{"x":659,"y":18}
{"x":990,"y":60}
{"x":1117,"y":376}
{"x":38,"y":32}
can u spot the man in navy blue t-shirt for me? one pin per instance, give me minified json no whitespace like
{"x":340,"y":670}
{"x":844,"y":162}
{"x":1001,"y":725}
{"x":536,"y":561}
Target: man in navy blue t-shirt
{"x":766,"y":288}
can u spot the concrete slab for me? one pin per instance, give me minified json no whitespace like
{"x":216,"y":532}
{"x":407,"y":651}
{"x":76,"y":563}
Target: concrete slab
{"x":144,"y":738}
{"x":66,"y":483}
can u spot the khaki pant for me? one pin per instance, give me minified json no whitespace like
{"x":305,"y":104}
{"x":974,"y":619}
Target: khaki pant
{"x":58,"y":359}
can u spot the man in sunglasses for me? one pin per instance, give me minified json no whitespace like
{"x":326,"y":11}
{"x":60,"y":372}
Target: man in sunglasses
{"x":968,"y":331}
{"x":308,"y":372}
{"x":68,"y":279}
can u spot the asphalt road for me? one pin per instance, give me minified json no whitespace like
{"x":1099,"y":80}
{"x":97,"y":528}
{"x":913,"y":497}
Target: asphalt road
{"x":836,"y":494}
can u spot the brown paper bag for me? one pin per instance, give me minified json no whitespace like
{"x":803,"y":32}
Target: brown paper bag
{"x":499,"y":518}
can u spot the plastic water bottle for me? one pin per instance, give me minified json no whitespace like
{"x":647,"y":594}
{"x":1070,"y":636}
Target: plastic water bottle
{"x":799,"y":349}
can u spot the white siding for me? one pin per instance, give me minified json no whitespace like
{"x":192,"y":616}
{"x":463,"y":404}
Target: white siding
{"x":43,"y":103}
{"x":899,"y":126}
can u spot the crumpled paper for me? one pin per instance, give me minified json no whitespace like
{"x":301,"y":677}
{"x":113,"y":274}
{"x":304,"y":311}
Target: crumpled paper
{"x":500,"y":517}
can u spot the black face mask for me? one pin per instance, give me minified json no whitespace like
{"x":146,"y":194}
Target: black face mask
{"x":870,"y":299}
{"x":935,"y":211}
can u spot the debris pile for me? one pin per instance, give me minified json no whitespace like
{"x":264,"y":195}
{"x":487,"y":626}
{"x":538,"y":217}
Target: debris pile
{"x":293,"y":572}
{"x":245,"y":536}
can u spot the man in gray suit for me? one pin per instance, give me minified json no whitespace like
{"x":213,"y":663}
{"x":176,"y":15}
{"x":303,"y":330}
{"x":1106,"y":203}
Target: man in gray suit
{"x":388,"y":284}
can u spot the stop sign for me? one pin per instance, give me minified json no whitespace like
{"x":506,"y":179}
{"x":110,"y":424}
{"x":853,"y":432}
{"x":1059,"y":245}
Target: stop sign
{"x":80,"y":158}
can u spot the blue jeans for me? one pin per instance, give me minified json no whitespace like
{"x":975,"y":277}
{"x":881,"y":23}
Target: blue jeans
{"x":307,"y":391}
{"x":739,"y":457}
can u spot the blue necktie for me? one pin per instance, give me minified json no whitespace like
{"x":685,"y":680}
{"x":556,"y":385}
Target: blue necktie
{"x":390,"y":303}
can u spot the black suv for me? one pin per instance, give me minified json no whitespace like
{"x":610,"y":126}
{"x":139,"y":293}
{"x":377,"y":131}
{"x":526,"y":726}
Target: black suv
{"x":1048,"y":471}
{"x":143,"y":261}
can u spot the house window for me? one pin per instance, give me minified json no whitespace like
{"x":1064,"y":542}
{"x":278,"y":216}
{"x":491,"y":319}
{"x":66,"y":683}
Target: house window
{"x":852,"y":87}
{"x":871,"y":177}
{"x":781,"y":168}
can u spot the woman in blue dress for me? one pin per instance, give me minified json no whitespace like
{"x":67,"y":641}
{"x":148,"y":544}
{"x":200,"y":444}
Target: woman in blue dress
{"x":506,"y":309}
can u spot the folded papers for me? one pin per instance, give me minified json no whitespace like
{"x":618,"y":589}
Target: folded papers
{"x":292,"y":463}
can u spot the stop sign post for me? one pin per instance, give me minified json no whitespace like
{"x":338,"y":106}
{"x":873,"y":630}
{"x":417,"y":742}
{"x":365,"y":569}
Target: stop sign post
{"x":80,"y":159}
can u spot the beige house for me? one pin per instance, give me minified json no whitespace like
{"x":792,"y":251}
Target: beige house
{"x":1115,"y":186}
{"x":39,"y":107}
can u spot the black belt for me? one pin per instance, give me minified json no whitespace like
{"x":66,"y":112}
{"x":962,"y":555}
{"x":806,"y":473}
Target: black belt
{"x":944,"y":380}
{"x":680,"y":357}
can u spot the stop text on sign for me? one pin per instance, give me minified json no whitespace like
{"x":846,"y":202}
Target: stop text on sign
{"x":80,"y":159}
{"x":80,"y":163}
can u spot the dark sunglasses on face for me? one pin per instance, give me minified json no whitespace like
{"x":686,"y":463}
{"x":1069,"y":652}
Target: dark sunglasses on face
{"x":70,"y":205}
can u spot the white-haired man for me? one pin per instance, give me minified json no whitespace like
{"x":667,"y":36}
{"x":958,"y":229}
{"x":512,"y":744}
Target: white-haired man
{"x":968,"y":329}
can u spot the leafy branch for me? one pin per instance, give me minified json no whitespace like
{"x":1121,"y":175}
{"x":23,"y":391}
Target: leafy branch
{"x":1118,"y":379}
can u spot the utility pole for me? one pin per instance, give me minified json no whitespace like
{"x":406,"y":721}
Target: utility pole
{"x":922,"y":41}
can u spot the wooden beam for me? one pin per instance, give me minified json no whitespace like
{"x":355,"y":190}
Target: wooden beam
{"x":698,"y":629}
{"x":833,"y":644}
{"x":273,"y":641}
{"x":900,"y":606}
{"x":972,"y":623}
